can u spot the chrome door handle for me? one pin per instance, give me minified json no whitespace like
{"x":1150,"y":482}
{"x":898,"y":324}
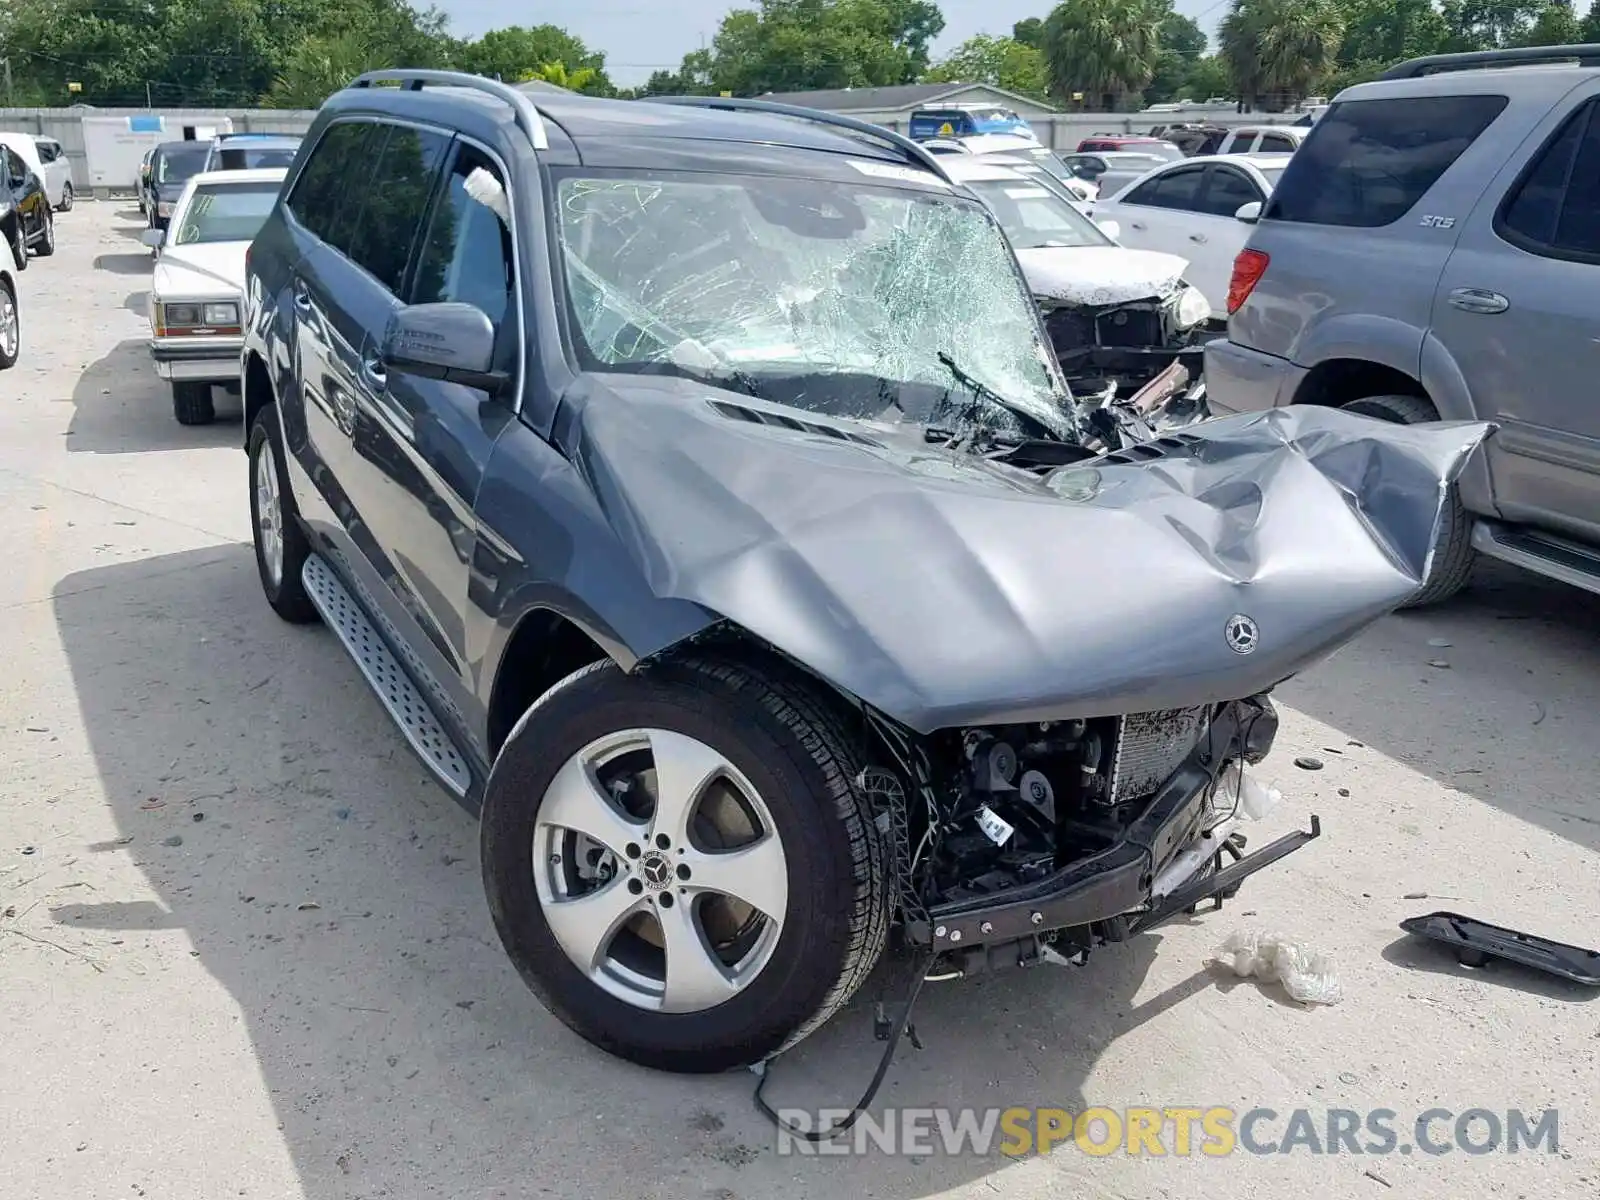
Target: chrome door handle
{"x":1197,"y":237}
{"x":372,"y":368}
{"x":302,"y":297}
{"x":1478,"y":300}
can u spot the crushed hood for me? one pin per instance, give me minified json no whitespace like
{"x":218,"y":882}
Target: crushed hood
{"x":1099,"y":275}
{"x":948,"y":590}
{"x":210,"y":269}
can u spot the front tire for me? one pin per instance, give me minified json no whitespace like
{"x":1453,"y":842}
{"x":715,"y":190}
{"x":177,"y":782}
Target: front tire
{"x":66,"y":198}
{"x":736,"y":891}
{"x":1453,"y":556}
{"x":192,"y":403}
{"x":281,"y":545}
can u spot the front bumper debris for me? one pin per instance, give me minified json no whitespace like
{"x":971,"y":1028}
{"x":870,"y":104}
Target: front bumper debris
{"x":1113,"y":886}
{"x":1475,"y":942}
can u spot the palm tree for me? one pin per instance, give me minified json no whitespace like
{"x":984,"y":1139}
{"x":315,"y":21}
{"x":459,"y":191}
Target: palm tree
{"x":1279,"y":49}
{"x":557,"y":74}
{"x":321,"y":66}
{"x":1105,"y":49}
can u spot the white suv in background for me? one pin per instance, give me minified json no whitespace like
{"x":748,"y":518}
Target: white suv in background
{"x":57,"y":173}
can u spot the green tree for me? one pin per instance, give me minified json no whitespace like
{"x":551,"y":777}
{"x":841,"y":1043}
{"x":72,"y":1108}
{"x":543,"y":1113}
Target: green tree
{"x":556,"y":73}
{"x":320,"y":66}
{"x":1278,"y":50}
{"x":1001,"y":61}
{"x":204,"y":52}
{"x":511,"y":53}
{"x":693,"y":78}
{"x":1183,"y":35}
{"x":797,"y":45}
{"x":1181,"y":44}
{"x":1105,"y":49}
{"x":1488,"y":24}
{"x":1208,"y":77}
{"x":1385,"y":31}
{"x":1556,"y":25}
{"x":1030,"y":32}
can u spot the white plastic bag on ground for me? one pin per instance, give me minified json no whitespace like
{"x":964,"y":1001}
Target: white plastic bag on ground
{"x":1246,"y":796}
{"x":1308,"y":975}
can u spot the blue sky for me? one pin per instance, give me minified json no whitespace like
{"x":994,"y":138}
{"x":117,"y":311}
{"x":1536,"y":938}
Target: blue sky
{"x":639,"y":37}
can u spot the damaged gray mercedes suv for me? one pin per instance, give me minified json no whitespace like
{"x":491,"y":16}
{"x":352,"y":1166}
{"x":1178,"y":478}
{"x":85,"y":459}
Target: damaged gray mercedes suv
{"x":695,"y":486}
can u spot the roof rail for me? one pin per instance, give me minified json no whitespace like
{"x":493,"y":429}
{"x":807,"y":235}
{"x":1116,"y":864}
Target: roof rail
{"x":414,"y":80}
{"x":912,"y":152}
{"x":1585,"y":55}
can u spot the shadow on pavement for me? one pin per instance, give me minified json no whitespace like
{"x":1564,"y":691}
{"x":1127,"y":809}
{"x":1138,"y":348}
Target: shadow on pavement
{"x":334,"y":891}
{"x":125,"y":264}
{"x":1512,"y":634}
{"x":122,"y":406}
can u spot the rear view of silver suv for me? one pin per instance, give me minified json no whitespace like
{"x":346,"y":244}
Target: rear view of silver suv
{"x":1433,"y":252}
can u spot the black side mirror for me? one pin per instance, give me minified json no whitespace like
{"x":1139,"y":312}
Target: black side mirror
{"x":448,"y":341}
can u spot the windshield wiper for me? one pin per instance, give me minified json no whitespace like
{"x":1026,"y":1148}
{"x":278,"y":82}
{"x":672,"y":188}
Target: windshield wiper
{"x":983,"y":392}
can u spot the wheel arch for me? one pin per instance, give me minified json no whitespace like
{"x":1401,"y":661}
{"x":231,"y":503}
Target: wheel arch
{"x":548,"y":644}
{"x":1335,"y":382}
{"x":544,"y":647}
{"x":256,"y":390}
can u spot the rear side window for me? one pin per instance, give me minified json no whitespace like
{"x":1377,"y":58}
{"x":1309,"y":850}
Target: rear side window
{"x":1227,"y":192}
{"x":1175,"y":189}
{"x":48,"y":151}
{"x":1276,"y":143}
{"x":397,"y":194}
{"x":326,"y":198}
{"x":1240,"y":143}
{"x":1555,"y":208}
{"x":1367,"y":162}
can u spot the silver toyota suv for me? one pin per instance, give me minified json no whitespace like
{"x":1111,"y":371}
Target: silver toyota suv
{"x":1433,"y":251}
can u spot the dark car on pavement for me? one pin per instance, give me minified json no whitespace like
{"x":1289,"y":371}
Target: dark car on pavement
{"x":171,"y":166}
{"x":694,"y":485}
{"x":26,"y":219}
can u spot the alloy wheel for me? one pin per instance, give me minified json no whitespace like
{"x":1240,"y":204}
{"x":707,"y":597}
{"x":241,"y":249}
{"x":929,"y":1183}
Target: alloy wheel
{"x":659,"y":871}
{"x":269,"y":514}
{"x":10,"y":325}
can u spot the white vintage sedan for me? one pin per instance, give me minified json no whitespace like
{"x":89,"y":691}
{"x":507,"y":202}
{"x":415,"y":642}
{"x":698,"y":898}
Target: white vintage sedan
{"x":198,"y":284}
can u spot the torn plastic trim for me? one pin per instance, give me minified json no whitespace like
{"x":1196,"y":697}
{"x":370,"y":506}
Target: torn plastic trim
{"x":1475,"y":942}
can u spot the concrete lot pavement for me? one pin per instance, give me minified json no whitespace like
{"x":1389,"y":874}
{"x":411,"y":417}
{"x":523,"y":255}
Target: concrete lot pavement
{"x":244,"y":951}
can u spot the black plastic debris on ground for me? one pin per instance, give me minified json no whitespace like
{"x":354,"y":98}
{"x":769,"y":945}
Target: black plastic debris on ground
{"x":1476,"y":942}
{"x":1308,"y":763}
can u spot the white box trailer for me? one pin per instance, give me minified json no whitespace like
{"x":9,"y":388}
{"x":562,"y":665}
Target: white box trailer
{"x":113,"y":147}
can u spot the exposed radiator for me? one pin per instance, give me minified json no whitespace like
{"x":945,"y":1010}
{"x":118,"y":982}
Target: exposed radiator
{"x":1150,"y":747}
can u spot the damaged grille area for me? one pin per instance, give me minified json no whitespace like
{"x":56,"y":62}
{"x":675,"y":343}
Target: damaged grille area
{"x":1150,"y":747}
{"x":1075,"y":330}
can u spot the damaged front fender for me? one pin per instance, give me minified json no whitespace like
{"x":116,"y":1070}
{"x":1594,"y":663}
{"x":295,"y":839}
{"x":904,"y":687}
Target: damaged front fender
{"x":947,"y":590}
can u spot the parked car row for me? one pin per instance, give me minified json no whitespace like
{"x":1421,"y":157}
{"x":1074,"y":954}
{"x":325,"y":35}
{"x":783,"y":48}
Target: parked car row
{"x":35,"y":183}
{"x":221,"y":191}
{"x":169,"y":166}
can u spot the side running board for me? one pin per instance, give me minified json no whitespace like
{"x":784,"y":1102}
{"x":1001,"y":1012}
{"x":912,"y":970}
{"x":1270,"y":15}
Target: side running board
{"x":1544,"y":554}
{"x":400,"y":697}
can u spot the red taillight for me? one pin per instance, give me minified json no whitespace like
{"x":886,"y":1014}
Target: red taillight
{"x":1248,"y":268}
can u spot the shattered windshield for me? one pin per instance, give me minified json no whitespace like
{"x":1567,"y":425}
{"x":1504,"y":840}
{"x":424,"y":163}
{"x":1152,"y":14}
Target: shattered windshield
{"x":1035,"y":217}
{"x":851,"y":299}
